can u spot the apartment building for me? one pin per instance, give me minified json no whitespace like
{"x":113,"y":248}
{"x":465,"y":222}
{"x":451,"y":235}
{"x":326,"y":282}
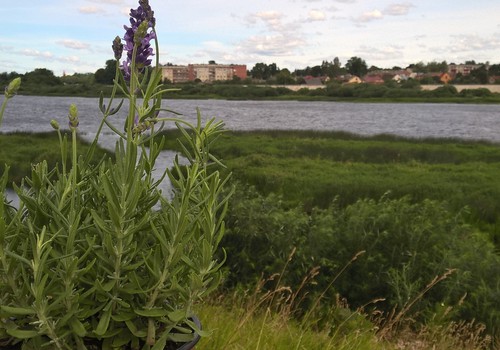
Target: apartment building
{"x":463,"y":69}
{"x":206,"y":73}
{"x":178,"y":74}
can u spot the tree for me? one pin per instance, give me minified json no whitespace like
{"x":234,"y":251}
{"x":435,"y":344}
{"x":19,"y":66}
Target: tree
{"x":418,"y":67}
{"x":42,"y":76}
{"x":437,"y":67}
{"x":264,"y":71}
{"x":107,"y":74}
{"x":316,"y":71}
{"x":258,"y":71}
{"x":480,"y":75}
{"x":494,"y":69}
{"x":356,"y":66}
{"x":284,"y":77}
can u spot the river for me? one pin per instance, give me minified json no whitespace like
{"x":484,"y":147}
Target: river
{"x":418,"y":120}
{"x":465,"y":121}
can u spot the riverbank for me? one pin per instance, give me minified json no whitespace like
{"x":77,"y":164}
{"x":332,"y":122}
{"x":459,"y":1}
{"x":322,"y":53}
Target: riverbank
{"x":394,"y":93}
{"x":491,"y":87}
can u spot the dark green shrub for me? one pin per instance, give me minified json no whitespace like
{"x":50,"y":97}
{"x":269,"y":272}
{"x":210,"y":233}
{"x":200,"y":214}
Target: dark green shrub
{"x":406,"y":245}
{"x":445,"y":91}
{"x":480,"y":92}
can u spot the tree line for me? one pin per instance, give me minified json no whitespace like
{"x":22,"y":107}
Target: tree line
{"x":261,"y":72}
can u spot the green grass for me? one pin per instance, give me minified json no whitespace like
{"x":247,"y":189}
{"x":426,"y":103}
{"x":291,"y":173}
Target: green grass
{"x":313,"y":168}
{"x":259,"y":320}
{"x":21,"y":150}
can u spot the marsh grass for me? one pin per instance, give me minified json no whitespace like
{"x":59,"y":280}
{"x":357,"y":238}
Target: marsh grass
{"x":312,"y":168}
{"x":21,"y":150}
{"x":265,"y":318}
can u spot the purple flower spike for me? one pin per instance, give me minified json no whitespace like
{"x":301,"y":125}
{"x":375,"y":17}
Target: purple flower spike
{"x":141,"y":20}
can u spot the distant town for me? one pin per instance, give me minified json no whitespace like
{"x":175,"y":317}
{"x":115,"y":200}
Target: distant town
{"x":355,"y":71}
{"x":354,"y":79}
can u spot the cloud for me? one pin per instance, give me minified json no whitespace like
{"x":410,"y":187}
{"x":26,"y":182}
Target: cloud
{"x":73,"y":44}
{"x":388,"y":53}
{"x":370,"y":16}
{"x":36,"y":53}
{"x":396,"y":9}
{"x":467,"y":42}
{"x":111,"y":2}
{"x":272,"y":45}
{"x":316,"y":15}
{"x":272,"y":19}
{"x":89,"y":9}
{"x":279,"y":39}
{"x":401,"y":9}
{"x":70,"y":59}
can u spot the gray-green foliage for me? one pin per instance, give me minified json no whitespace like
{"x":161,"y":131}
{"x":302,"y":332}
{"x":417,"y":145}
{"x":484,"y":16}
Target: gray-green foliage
{"x":87,"y":255}
{"x":95,"y":256}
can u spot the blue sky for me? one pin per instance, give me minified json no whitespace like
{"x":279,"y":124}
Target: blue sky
{"x":75,"y":36}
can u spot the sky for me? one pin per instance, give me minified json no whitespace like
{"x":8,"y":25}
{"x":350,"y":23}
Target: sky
{"x":75,"y":36}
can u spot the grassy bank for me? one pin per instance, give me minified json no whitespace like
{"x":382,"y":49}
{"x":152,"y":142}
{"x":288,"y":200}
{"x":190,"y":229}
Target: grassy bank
{"x":410,"y":92}
{"x":313,"y":168}
{"x":21,"y":150}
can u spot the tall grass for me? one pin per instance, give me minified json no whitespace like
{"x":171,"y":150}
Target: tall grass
{"x":21,"y":150}
{"x":313,"y":168}
{"x":263,"y":318}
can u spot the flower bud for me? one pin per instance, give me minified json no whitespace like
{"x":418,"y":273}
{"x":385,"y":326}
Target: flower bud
{"x":54,"y":124}
{"x":117,"y":48}
{"x":141,"y":32}
{"x":12,"y":88}
{"x":73,"y":117}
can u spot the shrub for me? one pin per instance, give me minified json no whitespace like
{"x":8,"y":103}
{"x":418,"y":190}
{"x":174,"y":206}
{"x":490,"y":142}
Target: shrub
{"x":406,"y":246}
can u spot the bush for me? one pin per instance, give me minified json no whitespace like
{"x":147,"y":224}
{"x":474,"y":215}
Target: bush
{"x":480,"y":92}
{"x":407,"y":244}
{"x":444,"y":91}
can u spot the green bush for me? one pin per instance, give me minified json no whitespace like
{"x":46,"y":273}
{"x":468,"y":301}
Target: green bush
{"x":406,"y":245}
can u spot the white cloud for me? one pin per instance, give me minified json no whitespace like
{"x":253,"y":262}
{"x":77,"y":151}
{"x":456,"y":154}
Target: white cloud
{"x":316,"y":15}
{"x":369,"y":16}
{"x":71,"y":59}
{"x":396,"y":9}
{"x":89,"y":9}
{"x":271,"y":18}
{"x":466,"y":42}
{"x":271,"y":45}
{"x":111,"y":2}
{"x":381,"y":54}
{"x":73,"y":44}
{"x":400,"y":9}
{"x":36,"y":53}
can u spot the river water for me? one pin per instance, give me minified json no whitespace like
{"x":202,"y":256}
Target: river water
{"x":464,"y":121}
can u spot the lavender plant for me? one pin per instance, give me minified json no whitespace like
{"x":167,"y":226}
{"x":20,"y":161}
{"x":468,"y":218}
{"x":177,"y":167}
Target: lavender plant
{"x":88,"y":260}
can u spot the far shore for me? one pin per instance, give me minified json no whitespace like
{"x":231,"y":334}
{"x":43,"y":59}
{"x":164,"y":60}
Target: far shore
{"x":491,"y":87}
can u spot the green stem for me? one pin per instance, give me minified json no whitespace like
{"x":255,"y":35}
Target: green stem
{"x":63,"y":153}
{"x":2,"y":109}
{"x":75,"y":159}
